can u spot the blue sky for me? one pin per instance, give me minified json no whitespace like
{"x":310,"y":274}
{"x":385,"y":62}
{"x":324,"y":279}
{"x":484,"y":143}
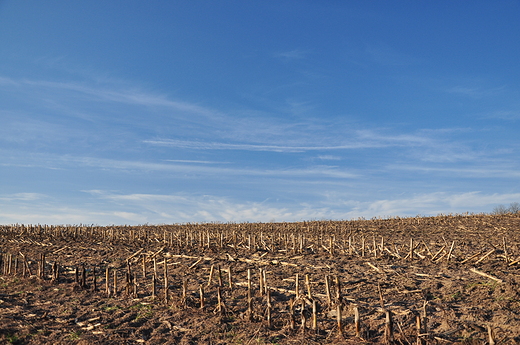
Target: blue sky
{"x":134,"y":112}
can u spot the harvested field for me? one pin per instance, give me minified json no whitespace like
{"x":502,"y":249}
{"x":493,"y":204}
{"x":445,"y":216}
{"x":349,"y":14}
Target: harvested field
{"x":432,"y":280}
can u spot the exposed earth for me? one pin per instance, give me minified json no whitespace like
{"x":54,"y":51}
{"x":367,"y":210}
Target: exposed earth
{"x":457,"y":275}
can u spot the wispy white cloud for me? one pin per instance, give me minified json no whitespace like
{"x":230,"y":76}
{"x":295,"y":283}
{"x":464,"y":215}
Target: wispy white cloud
{"x":118,"y":94}
{"x":510,"y":115}
{"x":159,"y":113}
{"x":205,"y":208}
{"x":477,"y":199}
{"x":108,"y":207}
{"x":421,"y":204}
{"x":8,"y":82}
{"x":467,"y":91}
{"x":21,"y":127}
{"x":199,"y":145}
{"x":476,"y":171}
{"x":67,"y":215}
{"x":359,"y":139}
{"x":369,"y":135}
{"x":40,"y":208}
{"x":128,"y":217}
{"x":329,"y":157}
{"x":214,"y":129}
{"x":446,"y":145}
{"x":194,"y":161}
{"x":448,"y":152}
{"x":429,"y":204}
{"x":318,"y":170}
{"x":49,"y":161}
{"x":212,"y":208}
{"x":22,"y":197}
{"x":475,"y":90}
{"x":295,"y":54}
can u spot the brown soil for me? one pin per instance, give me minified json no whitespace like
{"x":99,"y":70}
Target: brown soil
{"x":442,"y":277}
